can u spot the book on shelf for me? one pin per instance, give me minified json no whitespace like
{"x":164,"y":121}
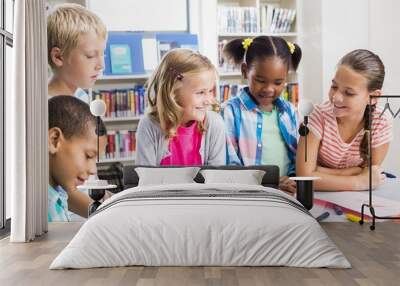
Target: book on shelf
{"x":120,"y":59}
{"x":221,"y":59}
{"x":123,"y":102}
{"x":291,"y":93}
{"x":237,"y":19}
{"x":170,"y":41}
{"x":274,"y":19}
{"x":123,"y":53}
{"x":164,"y":47}
{"x":226,"y":91}
{"x":120,"y":144}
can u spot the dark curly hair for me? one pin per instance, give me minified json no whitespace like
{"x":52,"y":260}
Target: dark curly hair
{"x":262,"y":47}
{"x":72,"y":116}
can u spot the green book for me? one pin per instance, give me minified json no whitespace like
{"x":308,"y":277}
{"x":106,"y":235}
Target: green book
{"x":120,"y":59}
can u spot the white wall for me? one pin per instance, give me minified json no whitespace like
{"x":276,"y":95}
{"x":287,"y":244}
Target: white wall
{"x":204,"y":14}
{"x":384,"y":39}
{"x":344,"y":28}
{"x":148,"y":15}
{"x":310,"y":38}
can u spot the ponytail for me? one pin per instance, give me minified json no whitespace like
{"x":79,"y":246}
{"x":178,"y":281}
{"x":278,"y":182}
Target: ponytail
{"x":234,"y":51}
{"x":364,"y":145}
{"x":296,"y":57}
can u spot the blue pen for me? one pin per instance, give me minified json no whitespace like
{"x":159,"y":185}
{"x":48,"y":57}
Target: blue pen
{"x":322,"y":216}
{"x":338,"y":210}
{"x":388,"y":175}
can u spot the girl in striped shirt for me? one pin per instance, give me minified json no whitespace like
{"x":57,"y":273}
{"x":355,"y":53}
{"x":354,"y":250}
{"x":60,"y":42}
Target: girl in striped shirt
{"x":338,"y":141}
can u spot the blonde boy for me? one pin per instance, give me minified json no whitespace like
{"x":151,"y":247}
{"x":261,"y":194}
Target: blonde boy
{"x":76,"y":39}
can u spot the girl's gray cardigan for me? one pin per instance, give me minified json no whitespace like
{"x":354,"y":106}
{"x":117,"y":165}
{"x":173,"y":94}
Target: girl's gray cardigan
{"x":152,"y":146}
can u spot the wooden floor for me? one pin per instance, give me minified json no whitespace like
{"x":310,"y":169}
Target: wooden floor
{"x":375,"y":257}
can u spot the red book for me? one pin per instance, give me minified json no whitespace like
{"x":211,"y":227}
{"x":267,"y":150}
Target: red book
{"x":111,"y":144}
{"x":112,"y":103}
{"x":108,"y":104}
{"x":133,"y":141}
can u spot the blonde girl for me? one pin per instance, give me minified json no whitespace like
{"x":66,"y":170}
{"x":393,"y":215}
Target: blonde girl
{"x":180,"y":128}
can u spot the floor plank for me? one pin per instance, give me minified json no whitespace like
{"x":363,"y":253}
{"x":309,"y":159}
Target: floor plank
{"x":374,"y":255}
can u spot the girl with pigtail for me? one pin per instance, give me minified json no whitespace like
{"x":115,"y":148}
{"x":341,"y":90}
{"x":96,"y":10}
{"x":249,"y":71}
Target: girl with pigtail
{"x":180,"y":128}
{"x":338,"y":141}
{"x":262,"y":126}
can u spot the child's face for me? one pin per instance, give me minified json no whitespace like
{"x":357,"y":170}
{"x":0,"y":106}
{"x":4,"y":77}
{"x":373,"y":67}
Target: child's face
{"x":348,"y":93}
{"x":84,"y":63}
{"x":196,"y":95}
{"x":266,"y":79}
{"x":72,"y":160}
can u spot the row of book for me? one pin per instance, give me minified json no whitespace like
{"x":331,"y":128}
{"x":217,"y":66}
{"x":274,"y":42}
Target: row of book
{"x":272,"y":19}
{"x":276,"y":20}
{"x":237,"y":19}
{"x":120,"y":144}
{"x":227,"y":91}
{"x":290,"y":93}
{"x":132,"y":102}
{"x":123,"y":102}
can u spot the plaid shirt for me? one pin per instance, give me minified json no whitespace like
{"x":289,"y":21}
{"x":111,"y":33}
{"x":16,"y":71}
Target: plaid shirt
{"x":244,"y":125}
{"x":57,"y":205}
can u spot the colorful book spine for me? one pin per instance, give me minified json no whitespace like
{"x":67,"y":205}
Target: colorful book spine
{"x":291,"y":93}
{"x":123,"y":102}
{"x":274,"y":19}
{"x":227,"y":91}
{"x":120,"y":144}
{"x":237,"y":19}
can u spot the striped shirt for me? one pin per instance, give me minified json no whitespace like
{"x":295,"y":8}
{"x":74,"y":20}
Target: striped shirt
{"x":333,"y":151}
{"x":244,"y":124}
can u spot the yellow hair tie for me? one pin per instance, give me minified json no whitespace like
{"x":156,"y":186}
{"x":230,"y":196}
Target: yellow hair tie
{"x":291,"y":46}
{"x":246,"y":43}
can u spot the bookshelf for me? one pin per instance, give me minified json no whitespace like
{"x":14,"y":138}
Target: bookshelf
{"x":249,"y":19}
{"x":122,"y":94}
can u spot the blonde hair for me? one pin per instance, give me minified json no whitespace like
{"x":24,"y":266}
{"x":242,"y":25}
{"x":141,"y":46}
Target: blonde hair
{"x":164,"y":83}
{"x":66,"y":22}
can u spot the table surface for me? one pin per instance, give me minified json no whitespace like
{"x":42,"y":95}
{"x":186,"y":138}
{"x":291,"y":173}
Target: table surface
{"x":390,"y":190}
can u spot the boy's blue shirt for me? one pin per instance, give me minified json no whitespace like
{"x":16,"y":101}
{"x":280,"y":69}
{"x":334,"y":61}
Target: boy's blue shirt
{"x":57,"y":204}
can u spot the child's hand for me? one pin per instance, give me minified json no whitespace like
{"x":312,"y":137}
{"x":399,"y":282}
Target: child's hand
{"x":287,"y":185}
{"x":377,"y":178}
{"x":107,"y":195}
